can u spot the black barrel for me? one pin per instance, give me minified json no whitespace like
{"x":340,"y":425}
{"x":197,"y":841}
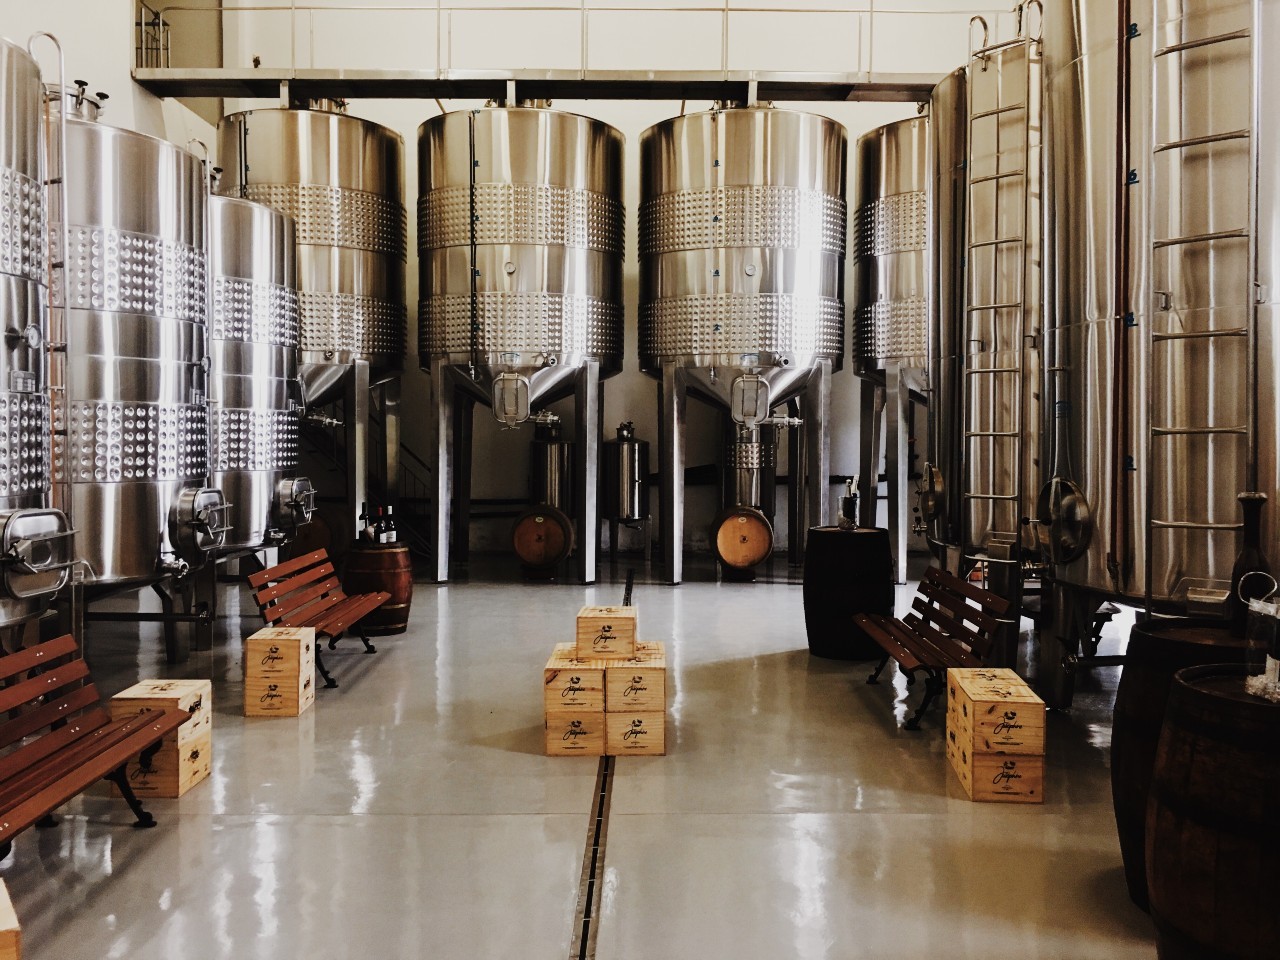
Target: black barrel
{"x":1213,"y":852}
{"x":1157,"y":650}
{"x":846,"y":572}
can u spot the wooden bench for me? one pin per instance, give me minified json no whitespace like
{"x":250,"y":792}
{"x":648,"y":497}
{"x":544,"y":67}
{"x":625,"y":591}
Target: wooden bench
{"x":305,"y":592}
{"x":60,"y":740}
{"x":952,"y":623}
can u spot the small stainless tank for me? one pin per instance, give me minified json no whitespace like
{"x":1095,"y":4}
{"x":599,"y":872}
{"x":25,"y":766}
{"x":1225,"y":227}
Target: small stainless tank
{"x":34,"y":547}
{"x":254,"y":394}
{"x":136,"y":359}
{"x":893,"y":246}
{"x":520,"y":235}
{"x":550,"y":465}
{"x":625,"y":495}
{"x":341,"y":179}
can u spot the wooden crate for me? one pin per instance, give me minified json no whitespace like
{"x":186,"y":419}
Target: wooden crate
{"x":186,"y":755}
{"x":991,"y":710}
{"x":636,"y":734}
{"x":279,"y":672}
{"x":570,"y":685}
{"x":10,"y":932}
{"x":638,"y":685}
{"x":606,"y":632}
{"x":174,"y":770}
{"x":998,"y":777}
{"x":578,"y":734}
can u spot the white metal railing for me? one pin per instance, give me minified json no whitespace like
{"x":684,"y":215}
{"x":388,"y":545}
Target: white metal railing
{"x":154,"y":26}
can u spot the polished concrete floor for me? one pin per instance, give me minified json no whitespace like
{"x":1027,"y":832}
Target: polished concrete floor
{"x":410,"y":814}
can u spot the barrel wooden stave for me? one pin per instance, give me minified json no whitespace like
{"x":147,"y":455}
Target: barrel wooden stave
{"x":373,"y":567}
{"x":1157,"y":650}
{"x":1213,"y":852}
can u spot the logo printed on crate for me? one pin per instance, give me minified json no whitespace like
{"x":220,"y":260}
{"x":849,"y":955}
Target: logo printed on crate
{"x":604,"y":636}
{"x":273,"y":655}
{"x":574,"y":686}
{"x":636,"y":686}
{"x":273,"y":693}
{"x":1008,"y":772}
{"x":636,"y":731}
{"x":575,"y":730}
{"x":1009,"y":723}
{"x":141,"y":775}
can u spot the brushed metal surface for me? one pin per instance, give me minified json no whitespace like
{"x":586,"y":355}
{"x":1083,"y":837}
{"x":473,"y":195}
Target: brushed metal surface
{"x":341,"y":179}
{"x":134,"y":369}
{"x":254,"y":396}
{"x":892,"y":230}
{"x":545,"y":190}
{"x":742,"y":242}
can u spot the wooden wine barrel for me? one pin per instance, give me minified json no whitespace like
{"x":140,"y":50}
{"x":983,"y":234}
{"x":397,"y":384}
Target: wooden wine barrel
{"x":542,"y":537}
{"x":846,"y":572}
{"x":1213,"y":851}
{"x":742,"y":537}
{"x":1157,"y":650}
{"x":371,"y":567}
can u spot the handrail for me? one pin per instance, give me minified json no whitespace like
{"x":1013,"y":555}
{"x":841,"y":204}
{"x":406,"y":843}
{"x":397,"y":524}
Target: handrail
{"x":154,"y":33}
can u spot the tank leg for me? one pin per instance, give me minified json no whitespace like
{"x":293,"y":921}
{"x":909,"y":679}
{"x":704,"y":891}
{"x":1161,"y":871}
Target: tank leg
{"x":817,"y":416}
{"x":355,"y":417}
{"x":204,"y":597}
{"x":897,"y":401}
{"x":442,"y":399}
{"x":589,"y":407}
{"x":391,"y":439}
{"x":1060,"y":644}
{"x":671,"y":411}
{"x":797,"y":464}
{"x":464,"y":407}
{"x":870,"y":403}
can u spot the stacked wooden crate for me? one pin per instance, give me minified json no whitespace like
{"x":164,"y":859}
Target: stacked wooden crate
{"x":606,"y":693}
{"x":279,"y":672}
{"x":185,"y":756}
{"x":995,"y":735}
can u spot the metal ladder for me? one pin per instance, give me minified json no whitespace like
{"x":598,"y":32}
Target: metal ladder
{"x":994,"y":382}
{"x":1167,"y":328}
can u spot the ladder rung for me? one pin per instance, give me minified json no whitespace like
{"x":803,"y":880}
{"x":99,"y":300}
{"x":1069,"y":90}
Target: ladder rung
{"x":981,"y":370}
{"x":1196,"y":431}
{"x":1202,"y":238}
{"x":997,"y":111}
{"x":1202,"y":42}
{"x":1193,"y":525}
{"x":994,"y":306}
{"x":991,"y":496}
{"x":1202,"y":334}
{"x":997,"y":176}
{"x":1200,"y":141}
{"x":994,"y":243}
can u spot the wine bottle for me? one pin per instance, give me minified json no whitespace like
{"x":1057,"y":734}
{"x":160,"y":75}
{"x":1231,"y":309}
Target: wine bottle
{"x":389,"y":534}
{"x":1249,"y":560}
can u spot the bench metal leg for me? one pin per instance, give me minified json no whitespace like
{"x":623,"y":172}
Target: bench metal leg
{"x":368,"y":647}
{"x":933,"y":686}
{"x":6,"y":848}
{"x":145,"y":819}
{"x":47,"y":822}
{"x":875,"y":677}
{"x":329,"y":682}
{"x":333,"y":641}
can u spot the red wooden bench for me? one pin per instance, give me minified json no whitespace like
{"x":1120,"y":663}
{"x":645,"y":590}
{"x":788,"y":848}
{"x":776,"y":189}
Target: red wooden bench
{"x":59,"y":740}
{"x":952,"y":623}
{"x":306,"y":592}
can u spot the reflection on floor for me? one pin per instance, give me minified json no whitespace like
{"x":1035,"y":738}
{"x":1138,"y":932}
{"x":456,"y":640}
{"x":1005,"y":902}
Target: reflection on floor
{"x":410,"y":814}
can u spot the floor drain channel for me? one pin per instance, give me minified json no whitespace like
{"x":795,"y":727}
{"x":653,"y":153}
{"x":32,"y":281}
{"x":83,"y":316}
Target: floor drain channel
{"x":583,"y":945}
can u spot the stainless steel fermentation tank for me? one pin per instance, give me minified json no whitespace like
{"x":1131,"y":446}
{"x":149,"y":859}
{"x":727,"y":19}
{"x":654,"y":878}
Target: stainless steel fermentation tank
{"x":1162,"y":300}
{"x":894,"y":306}
{"x":520,"y":234}
{"x":129,"y":368}
{"x":254,"y":394}
{"x":341,"y":179}
{"x":34,"y":539}
{"x":742,"y":240}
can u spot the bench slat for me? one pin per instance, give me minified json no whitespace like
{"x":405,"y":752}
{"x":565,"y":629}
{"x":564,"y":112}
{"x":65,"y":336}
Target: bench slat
{"x":946,"y":652}
{"x":302,"y":608}
{"x":282,"y":570}
{"x":282,"y":588}
{"x":37,"y":656}
{"x":993,"y":604}
{"x":28,"y":723}
{"x":14,"y":763}
{"x":48,"y":684}
{"x":942,"y":621}
{"x":878,"y":629}
{"x":144,"y":730}
{"x":343,"y":616}
{"x":960,"y":608}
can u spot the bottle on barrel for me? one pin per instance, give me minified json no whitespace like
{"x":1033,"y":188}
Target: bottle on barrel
{"x":1250,"y":560}
{"x":388,"y":534}
{"x":848,"y":519}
